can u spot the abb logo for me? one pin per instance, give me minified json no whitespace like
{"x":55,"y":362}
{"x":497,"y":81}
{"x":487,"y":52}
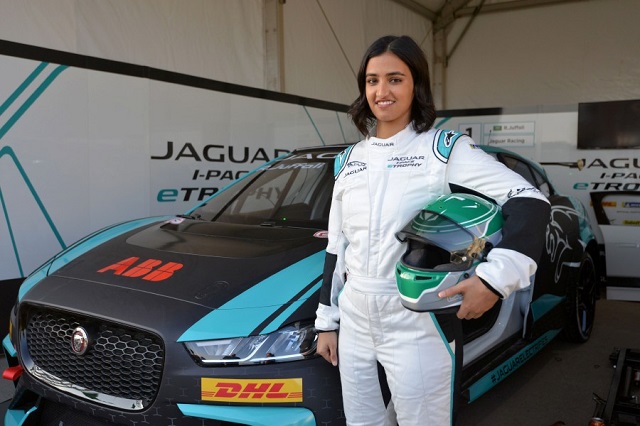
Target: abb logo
{"x":254,"y":390}
{"x":149,"y":270}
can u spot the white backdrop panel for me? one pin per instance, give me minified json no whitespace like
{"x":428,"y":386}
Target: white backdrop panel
{"x":83,"y":149}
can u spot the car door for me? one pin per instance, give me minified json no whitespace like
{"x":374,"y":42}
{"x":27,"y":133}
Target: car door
{"x":618,"y":215}
{"x":478,"y":327}
{"x":563,"y":250}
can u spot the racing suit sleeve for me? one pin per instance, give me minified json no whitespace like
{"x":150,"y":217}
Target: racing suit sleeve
{"x":526,"y":212}
{"x":334,"y":275}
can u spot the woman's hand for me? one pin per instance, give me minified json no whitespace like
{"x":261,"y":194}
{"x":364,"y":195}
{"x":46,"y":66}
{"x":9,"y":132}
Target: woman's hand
{"x":477,"y":298}
{"x":328,"y":346}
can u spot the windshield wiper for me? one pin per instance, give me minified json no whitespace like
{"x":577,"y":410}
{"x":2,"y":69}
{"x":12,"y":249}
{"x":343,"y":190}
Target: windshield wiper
{"x":192,"y":217}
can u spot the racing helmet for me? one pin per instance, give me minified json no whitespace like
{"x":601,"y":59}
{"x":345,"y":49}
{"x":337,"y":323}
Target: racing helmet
{"x":445,"y":242}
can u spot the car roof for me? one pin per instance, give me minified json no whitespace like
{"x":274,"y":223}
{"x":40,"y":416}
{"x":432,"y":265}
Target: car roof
{"x":485,"y":148}
{"x":495,"y":150}
{"x":336,"y":148}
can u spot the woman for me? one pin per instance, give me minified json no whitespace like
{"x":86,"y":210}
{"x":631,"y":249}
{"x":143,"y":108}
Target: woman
{"x":381,"y":183}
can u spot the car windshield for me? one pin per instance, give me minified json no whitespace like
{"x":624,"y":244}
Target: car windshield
{"x":294,"y":191}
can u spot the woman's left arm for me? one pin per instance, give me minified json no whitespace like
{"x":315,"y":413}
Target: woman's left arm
{"x":525,"y":210}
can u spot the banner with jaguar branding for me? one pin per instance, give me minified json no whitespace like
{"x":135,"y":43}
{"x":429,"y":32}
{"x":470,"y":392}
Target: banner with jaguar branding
{"x":83,"y":148}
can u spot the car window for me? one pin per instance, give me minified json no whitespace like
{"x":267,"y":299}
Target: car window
{"x":530,"y":174}
{"x":263,"y":195}
{"x":543,"y":184}
{"x":519,"y":167}
{"x":295,"y":190}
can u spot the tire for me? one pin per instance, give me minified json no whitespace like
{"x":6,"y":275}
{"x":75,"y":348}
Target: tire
{"x":581,"y":303}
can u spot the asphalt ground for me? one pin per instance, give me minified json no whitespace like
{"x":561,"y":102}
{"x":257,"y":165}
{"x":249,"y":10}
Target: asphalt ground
{"x":556,"y":387}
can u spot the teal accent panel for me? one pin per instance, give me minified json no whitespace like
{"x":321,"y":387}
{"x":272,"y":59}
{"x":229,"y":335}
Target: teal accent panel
{"x":8,"y":151}
{"x":243,"y":314}
{"x":314,"y":125}
{"x":453,"y":361}
{"x":8,"y":346}
{"x":544,"y":304}
{"x":277,"y":323}
{"x":494,"y":377}
{"x":33,"y":279}
{"x":341,"y":160}
{"x":344,"y":138}
{"x":17,"y":417}
{"x":253,"y":416}
{"x":586,"y":232}
{"x":80,"y":248}
{"x":16,"y":93}
{"x":10,"y":228}
{"x":35,"y":95}
{"x":446,"y":140}
{"x":441,"y":122}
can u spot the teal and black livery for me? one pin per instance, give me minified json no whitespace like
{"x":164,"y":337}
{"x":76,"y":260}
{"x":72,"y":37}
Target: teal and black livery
{"x":229,"y":291}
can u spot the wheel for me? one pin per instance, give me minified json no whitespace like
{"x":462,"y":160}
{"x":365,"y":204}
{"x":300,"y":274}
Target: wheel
{"x":581,"y":303}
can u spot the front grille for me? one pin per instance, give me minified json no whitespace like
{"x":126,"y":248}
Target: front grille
{"x":121,"y":363}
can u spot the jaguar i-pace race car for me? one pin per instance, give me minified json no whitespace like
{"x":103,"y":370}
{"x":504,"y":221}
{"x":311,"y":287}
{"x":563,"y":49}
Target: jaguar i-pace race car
{"x":207,"y":318}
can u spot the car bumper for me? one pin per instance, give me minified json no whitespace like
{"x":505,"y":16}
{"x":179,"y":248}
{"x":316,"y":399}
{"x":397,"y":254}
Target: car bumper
{"x":254,"y":416}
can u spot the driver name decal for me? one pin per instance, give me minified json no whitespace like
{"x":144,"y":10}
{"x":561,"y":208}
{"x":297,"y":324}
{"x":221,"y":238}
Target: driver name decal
{"x":149,"y":270}
{"x":243,"y":390}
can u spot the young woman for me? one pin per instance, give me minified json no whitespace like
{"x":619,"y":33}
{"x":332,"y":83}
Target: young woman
{"x":380,"y":184}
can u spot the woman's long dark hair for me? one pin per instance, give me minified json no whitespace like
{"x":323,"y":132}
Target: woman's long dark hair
{"x":423,"y":110}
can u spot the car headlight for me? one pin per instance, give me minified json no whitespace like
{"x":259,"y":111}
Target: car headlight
{"x":291,"y":343}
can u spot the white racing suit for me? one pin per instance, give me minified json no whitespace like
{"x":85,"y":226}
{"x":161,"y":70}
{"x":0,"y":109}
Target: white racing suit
{"x":381,"y":184}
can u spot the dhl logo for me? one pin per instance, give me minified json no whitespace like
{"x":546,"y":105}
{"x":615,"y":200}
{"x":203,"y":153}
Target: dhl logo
{"x":242,"y":390}
{"x":609,"y":204}
{"x":149,"y":270}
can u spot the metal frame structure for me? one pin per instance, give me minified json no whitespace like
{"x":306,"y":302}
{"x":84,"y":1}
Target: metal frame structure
{"x":622,"y":406}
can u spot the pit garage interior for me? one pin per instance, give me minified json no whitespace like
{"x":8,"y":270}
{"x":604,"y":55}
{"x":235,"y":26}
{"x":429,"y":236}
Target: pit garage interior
{"x":81,"y":146}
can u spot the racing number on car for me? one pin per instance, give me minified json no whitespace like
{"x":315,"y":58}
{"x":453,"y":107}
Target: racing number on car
{"x":242,"y":390}
{"x":149,"y":270}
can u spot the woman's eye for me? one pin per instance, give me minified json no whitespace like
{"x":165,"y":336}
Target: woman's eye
{"x":371,"y":81}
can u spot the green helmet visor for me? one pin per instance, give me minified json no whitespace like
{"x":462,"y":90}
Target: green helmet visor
{"x":433,"y":228}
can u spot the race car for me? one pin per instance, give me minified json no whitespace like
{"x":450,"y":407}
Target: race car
{"x":207,"y":318}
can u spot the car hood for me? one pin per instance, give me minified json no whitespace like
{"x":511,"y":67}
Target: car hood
{"x":242,"y":279}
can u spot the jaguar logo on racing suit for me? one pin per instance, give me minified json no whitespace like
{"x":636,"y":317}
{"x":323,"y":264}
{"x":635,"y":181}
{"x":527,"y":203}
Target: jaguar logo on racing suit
{"x":383,"y":144}
{"x":405,"y":161}
{"x":358,"y":166}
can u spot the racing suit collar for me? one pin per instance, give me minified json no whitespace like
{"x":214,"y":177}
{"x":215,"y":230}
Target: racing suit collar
{"x":391,"y":142}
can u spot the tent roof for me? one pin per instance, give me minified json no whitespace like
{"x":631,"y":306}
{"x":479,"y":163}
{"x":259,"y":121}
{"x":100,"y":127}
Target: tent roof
{"x":443,"y":12}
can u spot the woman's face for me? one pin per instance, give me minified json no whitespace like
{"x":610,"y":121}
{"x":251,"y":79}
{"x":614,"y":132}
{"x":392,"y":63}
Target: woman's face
{"x":389,"y":91}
